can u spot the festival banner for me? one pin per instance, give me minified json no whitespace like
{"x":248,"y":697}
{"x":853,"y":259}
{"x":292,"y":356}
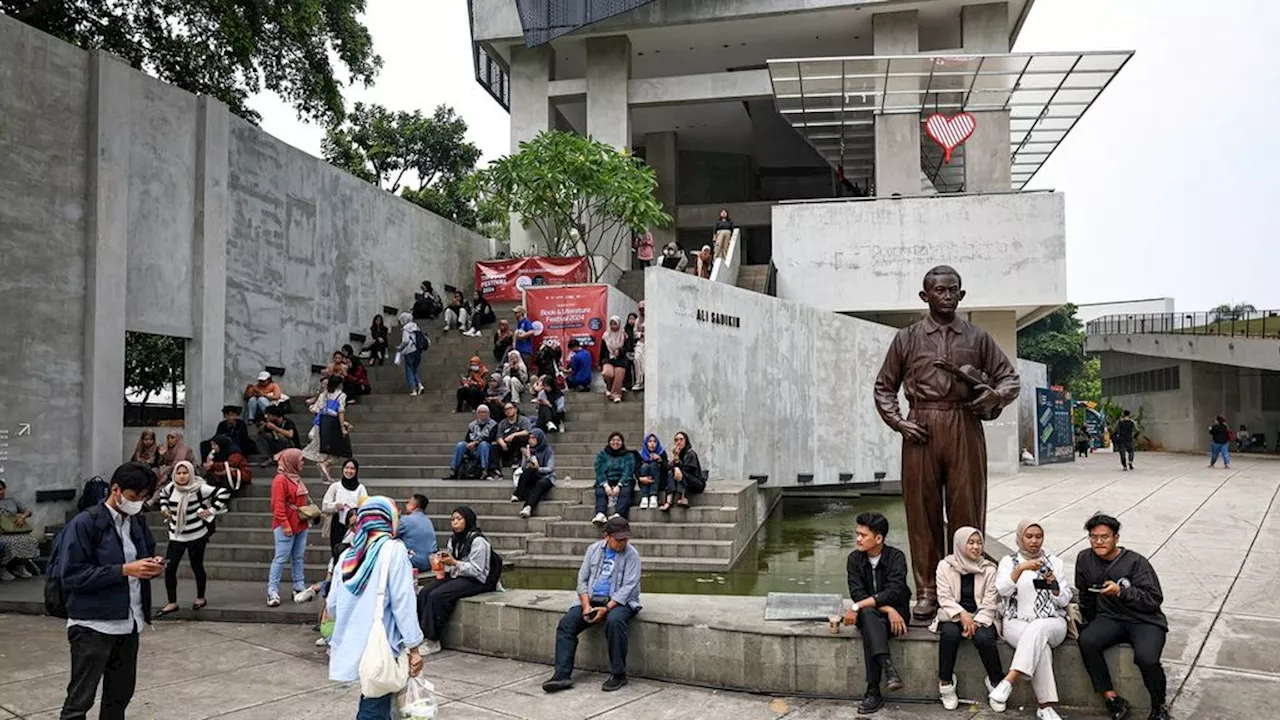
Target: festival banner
{"x":570,"y":312}
{"x":1055,"y":437}
{"x":503,"y":280}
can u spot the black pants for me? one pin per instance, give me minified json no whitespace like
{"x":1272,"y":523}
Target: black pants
{"x":174,"y":553}
{"x":274,"y":443}
{"x":984,"y":639}
{"x":469,"y":398}
{"x":436,"y":605}
{"x":95,"y":656}
{"x":533,"y":487}
{"x":873,"y":626}
{"x":378,"y":351}
{"x":511,"y":455}
{"x":548,"y":415}
{"x":1147,"y":641}
{"x":622,"y":505}
{"x":1125,"y":451}
{"x":616,"y":631}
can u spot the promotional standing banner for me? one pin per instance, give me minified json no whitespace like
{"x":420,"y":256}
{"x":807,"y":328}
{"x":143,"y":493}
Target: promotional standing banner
{"x":1055,"y":438}
{"x":503,"y":280}
{"x":571,"y":312}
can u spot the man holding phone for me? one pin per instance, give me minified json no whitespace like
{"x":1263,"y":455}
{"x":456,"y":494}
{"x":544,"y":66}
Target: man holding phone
{"x":106,"y":559}
{"x":608,"y":592}
{"x":1120,"y":601}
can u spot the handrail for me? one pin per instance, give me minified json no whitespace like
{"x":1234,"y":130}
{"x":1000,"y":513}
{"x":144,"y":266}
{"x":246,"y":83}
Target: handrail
{"x":1248,"y":324}
{"x":771,"y":280}
{"x":913,"y":196}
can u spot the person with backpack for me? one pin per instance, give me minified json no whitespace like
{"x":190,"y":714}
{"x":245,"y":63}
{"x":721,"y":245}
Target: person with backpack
{"x":471,"y":456}
{"x":99,"y":578}
{"x":412,"y":344}
{"x":471,"y":566}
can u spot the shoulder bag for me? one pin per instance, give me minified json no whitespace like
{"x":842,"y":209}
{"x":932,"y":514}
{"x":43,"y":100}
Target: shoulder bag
{"x":381,"y":672}
{"x":309,"y":512}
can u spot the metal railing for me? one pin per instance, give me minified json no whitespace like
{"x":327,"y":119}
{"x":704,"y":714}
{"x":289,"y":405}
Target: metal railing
{"x":1251,"y":324}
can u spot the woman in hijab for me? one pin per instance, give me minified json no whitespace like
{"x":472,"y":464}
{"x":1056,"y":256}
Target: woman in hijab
{"x":376,"y":578}
{"x":515,"y":376}
{"x":466,"y":561}
{"x":704,"y":261}
{"x":615,"y":477}
{"x":684,"y":477}
{"x":537,"y":473}
{"x":226,"y":468}
{"x":549,"y":401}
{"x":174,"y":451}
{"x":967,"y":607}
{"x":340,"y":503}
{"x":470,"y":393}
{"x":147,"y":451}
{"x":189,"y":506}
{"x":673,"y":258}
{"x":288,"y":527}
{"x":1035,"y":618}
{"x":481,"y":314}
{"x":502,"y":340}
{"x":378,"y":341}
{"x":496,"y":394}
{"x":613,"y":359}
{"x":653,"y":469}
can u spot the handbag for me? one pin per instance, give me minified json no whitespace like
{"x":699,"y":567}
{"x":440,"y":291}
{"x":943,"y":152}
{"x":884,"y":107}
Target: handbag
{"x":309,"y":512}
{"x":381,"y":672}
{"x":9,"y":525}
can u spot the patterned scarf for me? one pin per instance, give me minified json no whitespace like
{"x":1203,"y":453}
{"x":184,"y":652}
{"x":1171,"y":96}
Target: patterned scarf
{"x":376,"y":523}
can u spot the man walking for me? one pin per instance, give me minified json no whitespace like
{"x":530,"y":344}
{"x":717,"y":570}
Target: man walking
{"x":608,"y":592}
{"x":1126,"y":430}
{"x":878,"y":587}
{"x":954,"y":376}
{"x":1220,"y":442}
{"x":106,"y":562}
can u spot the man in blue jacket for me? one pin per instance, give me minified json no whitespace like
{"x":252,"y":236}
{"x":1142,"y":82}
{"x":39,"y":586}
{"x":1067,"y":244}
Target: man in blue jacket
{"x":579,"y":367}
{"x":107,"y":558}
{"x":608,"y":592}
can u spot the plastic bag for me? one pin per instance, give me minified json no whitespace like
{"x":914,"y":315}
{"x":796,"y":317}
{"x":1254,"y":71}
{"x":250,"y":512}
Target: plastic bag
{"x":417,"y":700}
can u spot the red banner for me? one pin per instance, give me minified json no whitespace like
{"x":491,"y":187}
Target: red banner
{"x":503,"y":280}
{"x":578,"y":312}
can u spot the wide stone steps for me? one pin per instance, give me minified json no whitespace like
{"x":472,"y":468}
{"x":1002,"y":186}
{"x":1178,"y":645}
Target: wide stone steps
{"x":371,"y":449}
{"x":721,"y":550}
{"x":241,"y":528}
{"x":652,"y":563}
{"x":645,"y":527}
{"x":457,"y":425}
{"x":370,"y":460}
{"x":552,"y":506}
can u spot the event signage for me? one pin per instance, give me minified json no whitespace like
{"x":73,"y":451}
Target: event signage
{"x":1055,"y":441}
{"x":503,"y":280}
{"x":569,"y":312}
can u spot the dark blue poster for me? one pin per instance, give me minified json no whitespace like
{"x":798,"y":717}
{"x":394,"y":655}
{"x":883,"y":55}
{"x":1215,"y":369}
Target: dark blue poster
{"x":1054,"y":437}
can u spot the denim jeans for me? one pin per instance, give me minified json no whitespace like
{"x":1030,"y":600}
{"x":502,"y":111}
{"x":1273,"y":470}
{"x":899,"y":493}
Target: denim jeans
{"x":411,"y":362}
{"x":650,"y":470}
{"x":460,"y":450}
{"x":1223,"y":449}
{"x":292,"y":549}
{"x":256,"y":406}
{"x":616,"y":632}
{"x":378,"y":708}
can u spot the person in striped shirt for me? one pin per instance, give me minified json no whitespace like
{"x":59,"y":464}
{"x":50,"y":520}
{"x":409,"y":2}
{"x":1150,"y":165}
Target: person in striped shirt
{"x":190,"y":506}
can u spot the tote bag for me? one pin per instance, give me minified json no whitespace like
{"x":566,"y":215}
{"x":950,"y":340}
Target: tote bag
{"x":381,"y":672}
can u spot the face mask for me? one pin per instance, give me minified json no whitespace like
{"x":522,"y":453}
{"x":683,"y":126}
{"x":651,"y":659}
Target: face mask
{"x":129,"y":507}
{"x":475,"y":368}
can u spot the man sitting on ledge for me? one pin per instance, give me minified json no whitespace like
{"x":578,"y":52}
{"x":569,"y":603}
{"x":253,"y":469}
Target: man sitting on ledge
{"x":579,"y":367}
{"x":608,"y":592}
{"x":878,"y":588}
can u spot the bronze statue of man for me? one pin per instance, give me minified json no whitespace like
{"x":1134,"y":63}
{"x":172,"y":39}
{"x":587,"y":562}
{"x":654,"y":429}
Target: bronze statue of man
{"x":954,"y":376}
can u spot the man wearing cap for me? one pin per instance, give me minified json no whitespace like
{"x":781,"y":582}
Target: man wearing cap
{"x":608,"y":593}
{"x":261,"y":395}
{"x":524,"y":334}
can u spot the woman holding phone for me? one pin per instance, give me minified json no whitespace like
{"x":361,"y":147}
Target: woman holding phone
{"x":1035,"y":618}
{"x":467,"y":563}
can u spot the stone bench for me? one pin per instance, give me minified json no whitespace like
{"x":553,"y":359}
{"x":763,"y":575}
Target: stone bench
{"x":724,"y":642}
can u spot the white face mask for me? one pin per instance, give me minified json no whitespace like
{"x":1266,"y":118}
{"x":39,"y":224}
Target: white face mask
{"x":129,"y":507}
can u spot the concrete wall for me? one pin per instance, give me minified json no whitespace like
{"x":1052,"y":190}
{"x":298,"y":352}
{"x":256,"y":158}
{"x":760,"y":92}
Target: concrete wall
{"x":787,"y":391}
{"x":1032,"y":375}
{"x":1093,"y":311}
{"x":713,"y":177}
{"x":871,"y":255}
{"x":1257,"y":353}
{"x":1169,"y":417}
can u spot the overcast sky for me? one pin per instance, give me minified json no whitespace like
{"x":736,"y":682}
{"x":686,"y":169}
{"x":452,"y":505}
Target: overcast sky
{"x":1168,"y":178}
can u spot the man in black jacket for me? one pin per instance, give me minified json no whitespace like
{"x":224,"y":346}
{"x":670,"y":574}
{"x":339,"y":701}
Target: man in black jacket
{"x":1120,"y":599}
{"x":878,"y":588}
{"x":1122,"y":439}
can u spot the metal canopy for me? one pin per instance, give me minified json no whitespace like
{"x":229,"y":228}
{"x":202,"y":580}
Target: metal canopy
{"x":833,"y":102}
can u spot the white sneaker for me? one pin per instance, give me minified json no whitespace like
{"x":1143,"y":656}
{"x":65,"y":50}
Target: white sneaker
{"x":526,"y":512}
{"x":615,"y":515}
{"x":429,"y":647}
{"x":551,"y":427}
{"x":413,"y":393}
{"x":446,"y":329}
{"x":599,"y":519}
{"x":22,"y":573}
{"x":1047,"y":713}
{"x":6,"y":576}
{"x":999,"y":695}
{"x":947,"y":693}
{"x":304,"y":595}
{"x":421,"y":389}
{"x":321,"y":642}
{"x":515,"y":499}
{"x":644,"y":503}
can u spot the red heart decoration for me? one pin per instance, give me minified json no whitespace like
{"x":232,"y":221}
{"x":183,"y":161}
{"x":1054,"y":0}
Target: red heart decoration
{"x":950,"y":132}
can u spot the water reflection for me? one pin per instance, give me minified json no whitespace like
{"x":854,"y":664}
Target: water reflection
{"x":802,"y":547}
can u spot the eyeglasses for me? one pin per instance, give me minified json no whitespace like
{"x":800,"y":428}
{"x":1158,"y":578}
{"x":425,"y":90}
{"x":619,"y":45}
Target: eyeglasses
{"x":1100,"y":538}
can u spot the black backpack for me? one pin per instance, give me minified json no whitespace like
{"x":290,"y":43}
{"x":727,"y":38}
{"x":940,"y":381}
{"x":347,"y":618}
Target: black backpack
{"x":495,"y":570}
{"x":55,"y":598}
{"x":95,"y":491}
{"x":470,"y":468}
{"x":420,"y":341}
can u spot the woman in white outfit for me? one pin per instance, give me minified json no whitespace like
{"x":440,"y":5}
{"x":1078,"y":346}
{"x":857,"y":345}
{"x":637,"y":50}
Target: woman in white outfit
{"x":1035,"y":618}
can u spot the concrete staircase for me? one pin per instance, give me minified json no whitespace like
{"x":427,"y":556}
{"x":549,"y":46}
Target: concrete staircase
{"x":405,"y":444}
{"x":753,"y":277}
{"x":632,"y":284}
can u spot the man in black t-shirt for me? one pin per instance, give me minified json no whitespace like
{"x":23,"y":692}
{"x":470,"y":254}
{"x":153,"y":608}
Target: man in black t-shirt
{"x":278,"y":433}
{"x":1122,"y":439}
{"x":1220,"y":442}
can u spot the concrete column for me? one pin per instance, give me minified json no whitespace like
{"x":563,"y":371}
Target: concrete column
{"x":1002,"y":433}
{"x":609,"y":121}
{"x":107,"y":264}
{"x":897,"y":136}
{"x":985,"y":29}
{"x":206,"y":350}
{"x":663,"y":156}
{"x":531,"y":114}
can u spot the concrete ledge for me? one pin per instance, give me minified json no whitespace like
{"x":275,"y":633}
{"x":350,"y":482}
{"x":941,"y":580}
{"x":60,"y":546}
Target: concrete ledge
{"x":723,"y":642}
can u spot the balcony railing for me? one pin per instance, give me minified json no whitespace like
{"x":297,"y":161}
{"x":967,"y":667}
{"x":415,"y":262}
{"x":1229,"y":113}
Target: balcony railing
{"x":1252,"y":324}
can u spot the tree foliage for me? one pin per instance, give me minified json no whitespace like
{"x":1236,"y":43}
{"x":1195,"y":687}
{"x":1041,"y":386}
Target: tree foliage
{"x":1057,"y":340}
{"x":582,"y":196}
{"x":424,"y":159}
{"x":228,"y":49}
{"x":152,"y":363}
{"x":1230,"y":312}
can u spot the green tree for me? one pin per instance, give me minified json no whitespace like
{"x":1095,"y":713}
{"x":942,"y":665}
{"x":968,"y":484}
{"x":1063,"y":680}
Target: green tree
{"x":582,"y":196}
{"x":153,"y":363}
{"x":1057,"y":340}
{"x":424,"y":159}
{"x":1229,"y":312}
{"x":228,"y":49}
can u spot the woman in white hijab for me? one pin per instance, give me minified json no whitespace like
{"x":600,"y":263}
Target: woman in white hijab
{"x":515,"y":376}
{"x":190,"y":507}
{"x":1035,"y":618}
{"x":613,"y":359}
{"x":967,"y":608}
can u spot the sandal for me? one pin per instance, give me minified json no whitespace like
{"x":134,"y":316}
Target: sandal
{"x":199,"y":604}
{"x":665,"y":507}
{"x":164,"y":611}
{"x":683,"y":502}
